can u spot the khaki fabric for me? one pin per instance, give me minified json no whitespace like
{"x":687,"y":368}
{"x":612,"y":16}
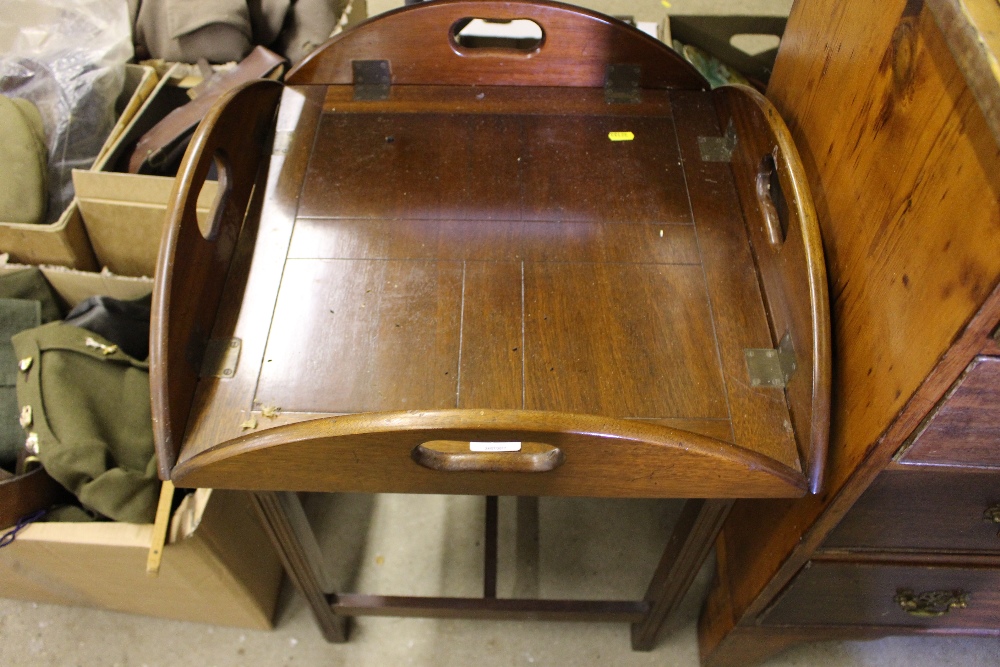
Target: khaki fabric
{"x":308,"y":25}
{"x":16,"y":315}
{"x":220,"y":31}
{"x":90,"y":415}
{"x":23,"y":162}
{"x":31,"y":284}
{"x":26,"y":300}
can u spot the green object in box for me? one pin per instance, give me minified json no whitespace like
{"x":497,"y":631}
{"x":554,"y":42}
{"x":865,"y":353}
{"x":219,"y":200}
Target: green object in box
{"x":90,"y":419}
{"x":23,"y":162}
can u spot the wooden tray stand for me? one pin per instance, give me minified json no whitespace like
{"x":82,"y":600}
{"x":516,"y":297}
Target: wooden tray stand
{"x":421,"y":243}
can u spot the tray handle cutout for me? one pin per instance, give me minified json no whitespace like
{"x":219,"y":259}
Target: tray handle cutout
{"x":458,"y":456}
{"x":473,"y":36}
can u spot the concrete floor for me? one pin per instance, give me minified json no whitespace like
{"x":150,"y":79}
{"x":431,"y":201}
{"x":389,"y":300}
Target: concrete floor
{"x":431,"y":545}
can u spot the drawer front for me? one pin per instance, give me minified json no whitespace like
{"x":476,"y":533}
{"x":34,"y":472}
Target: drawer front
{"x":965,"y":428}
{"x":841,"y":593}
{"x":926,"y":510}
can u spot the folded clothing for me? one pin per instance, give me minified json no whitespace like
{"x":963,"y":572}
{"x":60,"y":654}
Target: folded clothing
{"x":85,"y":406}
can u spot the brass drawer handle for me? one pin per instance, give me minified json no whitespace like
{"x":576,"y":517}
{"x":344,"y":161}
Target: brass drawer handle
{"x":992,"y":514}
{"x":930,"y":603}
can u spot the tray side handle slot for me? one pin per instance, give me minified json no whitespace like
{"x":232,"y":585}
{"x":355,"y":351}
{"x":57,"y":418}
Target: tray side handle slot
{"x":194,"y":260}
{"x":419,"y":43}
{"x":785,"y":238}
{"x":547,"y":453}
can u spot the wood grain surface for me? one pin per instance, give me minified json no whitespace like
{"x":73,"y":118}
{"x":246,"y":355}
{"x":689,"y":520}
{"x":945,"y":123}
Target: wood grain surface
{"x":923,"y":509}
{"x":407,"y":281}
{"x":194,"y":261}
{"x":577,"y":45}
{"x":900,"y":161}
{"x":864,"y":594}
{"x":509,"y":257}
{"x":965,"y":428}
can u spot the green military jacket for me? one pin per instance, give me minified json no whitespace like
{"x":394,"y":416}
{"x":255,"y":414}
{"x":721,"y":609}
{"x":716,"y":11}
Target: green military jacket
{"x":85,"y":407}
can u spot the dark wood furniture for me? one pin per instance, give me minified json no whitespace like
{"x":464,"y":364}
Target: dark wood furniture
{"x":895,"y":109}
{"x":576,"y":252}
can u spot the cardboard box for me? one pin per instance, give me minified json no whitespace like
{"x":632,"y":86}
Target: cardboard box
{"x":64,"y":242}
{"x":124,"y":213}
{"x":124,"y":216}
{"x":218,"y":565}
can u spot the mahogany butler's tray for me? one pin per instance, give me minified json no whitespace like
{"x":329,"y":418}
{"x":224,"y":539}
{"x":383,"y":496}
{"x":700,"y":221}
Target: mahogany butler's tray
{"x":574,"y":250}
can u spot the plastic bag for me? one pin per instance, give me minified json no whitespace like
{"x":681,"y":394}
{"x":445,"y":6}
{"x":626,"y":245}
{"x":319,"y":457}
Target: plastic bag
{"x":68,"y":58}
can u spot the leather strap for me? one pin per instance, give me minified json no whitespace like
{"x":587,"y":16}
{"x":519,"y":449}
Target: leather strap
{"x":22,"y":495}
{"x":171,"y":134}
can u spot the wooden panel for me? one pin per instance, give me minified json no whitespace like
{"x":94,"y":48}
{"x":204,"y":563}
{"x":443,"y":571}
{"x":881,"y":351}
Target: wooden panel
{"x":494,"y":240}
{"x":900,"y":163}
{"x":929,"y":509}
{"x":577,"y":46}
{"x":492,"y":609}
{"x":221,"y":406}
{"x":965,"y":429}
{"x":573,"y":171}
{"x":785,"y":239}
{"x":972,"y":30}
{"x":194,"y":262}
{"x":492,"y":347}
{"x":600,"y":457}
{"x":414,"y":166}
{"x":759,"y":415}
{"x":831,"y":593}
{"x":364,"y":335}
{"x":495,"y":167}
{"x":903,"y":237}
{"x":583,"y":327}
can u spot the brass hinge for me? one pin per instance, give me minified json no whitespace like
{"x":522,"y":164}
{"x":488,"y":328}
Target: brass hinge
{"x":281,"y":142}
{"x":222,"y":355}
{"x":622,"y":84}
{"x":718,"y":149}
{"x":372,"y":79}
{"x":769,"y":367}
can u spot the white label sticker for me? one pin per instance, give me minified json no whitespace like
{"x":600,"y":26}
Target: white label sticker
{"x":495,"y":446}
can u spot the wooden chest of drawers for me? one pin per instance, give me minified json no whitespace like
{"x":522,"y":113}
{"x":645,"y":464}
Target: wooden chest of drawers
{"x":895,"y":108}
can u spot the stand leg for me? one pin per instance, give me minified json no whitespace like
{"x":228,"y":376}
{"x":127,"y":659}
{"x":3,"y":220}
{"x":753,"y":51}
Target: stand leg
{"x":692,"y":539}
{"x":286,"y":524}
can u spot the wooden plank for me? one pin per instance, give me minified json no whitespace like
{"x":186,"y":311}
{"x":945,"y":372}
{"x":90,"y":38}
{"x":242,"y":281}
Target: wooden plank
{"x":785,"y":240}
{"x":193,"y":263}
{"x":578,"y":46}
{"x":690,"y":542}
{"x":222,"y":405}
{"x":415,"y":166}
{"x":284,"y":521}
{"x":503,"y":241}
{"x":491,"y":368}
{"x":389,"y":331}
{"x":760,"y":417}
{"x":490,"y":541}
{"x":601,"y":457}
{"x":583,"y":328}
{"x":965,"y":428}
{"x":572,"y":170}
{"x":354,"y":604}
{"x":901,"y":162}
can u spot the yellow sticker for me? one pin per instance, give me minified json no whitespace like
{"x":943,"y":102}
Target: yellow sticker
{"x":665,"y":4}
{"x":621,"y":136}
